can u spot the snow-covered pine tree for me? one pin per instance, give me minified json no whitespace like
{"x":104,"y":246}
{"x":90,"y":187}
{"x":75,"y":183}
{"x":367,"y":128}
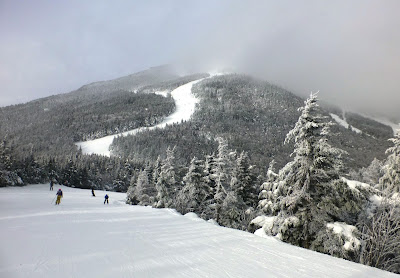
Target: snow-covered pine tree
{"x":232,"y":211}
{"x":193,"y":193}
{"x":8,"y":175}
{"x":372,"y":173}
{"x":390,"y":181}
{"x":220,"y":174}
{"x":149,"y":190}
{"x":131,"y":198}
{"x":313,"y":195}
{"x":51,"y":169}
{"x":70,"y":173}
{"x":208,"y":206}
{"x":238,"y":206}
{"x":166,"y":181}
{"x":141,"y":184}
{"x":268,"y":192}
{"x":156,"y":170}
{"x":243,"y":181}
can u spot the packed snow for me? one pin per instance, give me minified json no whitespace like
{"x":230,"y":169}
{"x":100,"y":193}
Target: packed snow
{"x":82,"y":237}
{"x":185,"y":103}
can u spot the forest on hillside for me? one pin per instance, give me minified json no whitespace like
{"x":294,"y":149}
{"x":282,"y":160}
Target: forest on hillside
{"x":253,"y":116}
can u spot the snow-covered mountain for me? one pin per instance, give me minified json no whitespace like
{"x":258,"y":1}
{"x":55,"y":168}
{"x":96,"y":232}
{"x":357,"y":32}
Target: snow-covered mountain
{"x":82,"y":237}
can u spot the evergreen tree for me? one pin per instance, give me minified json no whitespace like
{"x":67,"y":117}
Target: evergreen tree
{"x":8,"y":173}
{"x":390,"y":181}
{"x":270,"y":191}
{"x":131,"y":193}
{"x":69,"y":175}
{"x":372,"y":173}
{"x":149,"y":191}
{"x":220,"y":174}
{"x":51,"y":169}
{"x":156,"y":170}
{"x":208,"y":206}
{"x":243,"y":181}
{"x":136,"y":194}
{"x":312,"y":194}
{"x":166,"y":181}
{"x":193,"y":194}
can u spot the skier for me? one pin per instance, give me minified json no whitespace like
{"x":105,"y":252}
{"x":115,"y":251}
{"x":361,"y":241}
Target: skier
{"x":106,"y":199}
{"x":59,"y":196}
{"x":93,"y":193}
{"x":51,"y":185}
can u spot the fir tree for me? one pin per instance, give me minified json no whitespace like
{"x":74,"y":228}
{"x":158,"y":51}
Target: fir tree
{"x":390,"y":181}
{"x":208,"y":206}
{"x":166,"y":181}
{"x":312,"y":194}
{"x":149,"y":190}
{"x":193,"y":193}
{"x":243,"y":181}
{"x":220,"y":176}
{"x":372,"y":173}
{"x":269,"y":192}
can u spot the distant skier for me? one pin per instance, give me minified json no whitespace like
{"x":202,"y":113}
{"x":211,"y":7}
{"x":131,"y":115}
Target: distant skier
{"x":106,"y":199}
{"x":51,"y":185}
{"x":59,"y":196}
{"x":93,"y":193}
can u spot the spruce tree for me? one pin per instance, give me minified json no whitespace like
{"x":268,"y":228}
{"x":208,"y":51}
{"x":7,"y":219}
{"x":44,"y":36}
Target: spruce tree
{"x":270,"y":191}
{"x":372,"y":173}
{"x":390,"y":181}
{"x":221,"y":170}
{"x":312,"y":194}
{"x":243,"y":181}
{"x":208,"y":206}
{"x":193,"y":193}
{"x":166,"y":181}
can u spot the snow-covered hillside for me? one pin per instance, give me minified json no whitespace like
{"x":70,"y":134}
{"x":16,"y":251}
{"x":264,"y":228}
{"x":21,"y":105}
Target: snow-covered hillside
{"x":185,"y":104}
{"x":82,"y":237}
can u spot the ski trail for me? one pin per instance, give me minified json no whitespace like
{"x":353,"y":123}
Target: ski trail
{"x":185,"y":104}
{"x":152,"y":243}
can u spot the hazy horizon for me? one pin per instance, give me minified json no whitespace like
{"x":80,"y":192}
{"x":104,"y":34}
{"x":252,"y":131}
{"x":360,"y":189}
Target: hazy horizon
{"x":349,"y":51}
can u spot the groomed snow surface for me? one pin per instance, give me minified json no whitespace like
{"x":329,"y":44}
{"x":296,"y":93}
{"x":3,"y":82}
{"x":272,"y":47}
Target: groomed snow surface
{"x":185,"y":104}
{"x":82,"y":237}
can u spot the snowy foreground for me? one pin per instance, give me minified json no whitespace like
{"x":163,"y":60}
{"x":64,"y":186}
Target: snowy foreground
{"x":82,"y":237}
{"x":185,"y":104}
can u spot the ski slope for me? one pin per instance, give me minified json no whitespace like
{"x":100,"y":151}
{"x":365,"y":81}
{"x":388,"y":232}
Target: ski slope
{"x":185,"y":104}
{"x":82,"y":237}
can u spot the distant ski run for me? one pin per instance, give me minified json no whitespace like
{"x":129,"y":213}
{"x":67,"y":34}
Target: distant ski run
{"x":185,"y":104}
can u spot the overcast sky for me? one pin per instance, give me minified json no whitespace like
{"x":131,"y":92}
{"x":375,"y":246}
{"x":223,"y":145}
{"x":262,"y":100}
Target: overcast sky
{"x":349,"y":50}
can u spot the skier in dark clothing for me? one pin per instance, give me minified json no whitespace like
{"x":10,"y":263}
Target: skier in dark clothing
{"x":51,"y":185}
{"x":106,"y":199}
{"x":93,"y":193}
{"x":59,"y":196}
